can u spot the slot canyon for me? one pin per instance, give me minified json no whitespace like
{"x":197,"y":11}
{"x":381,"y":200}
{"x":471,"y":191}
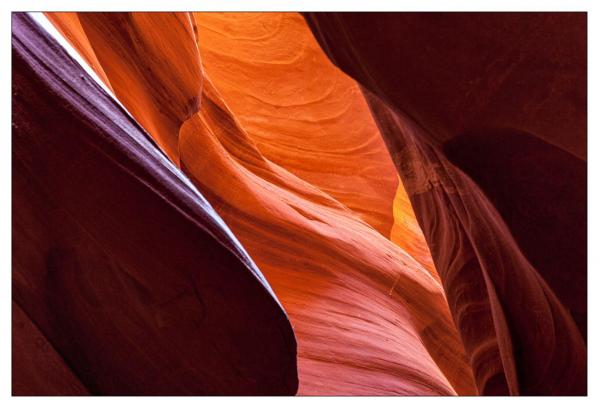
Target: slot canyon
{"x":299,"y":203}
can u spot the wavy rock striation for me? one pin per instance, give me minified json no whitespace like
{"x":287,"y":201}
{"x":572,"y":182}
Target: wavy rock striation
{"x":464,"y":133}
{"x":485,"y":118}
{"x":306,"y":116}
{"x":303,"y":183}
{"x":123,"y":274}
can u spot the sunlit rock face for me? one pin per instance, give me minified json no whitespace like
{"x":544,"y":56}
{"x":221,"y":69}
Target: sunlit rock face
{"x":295,"y":165}
{"x":142,"y":54}
{"x":123,"y":274}
{"x":306,"y":116}
{"x":334,"y":187}
{"x":487,"y":128}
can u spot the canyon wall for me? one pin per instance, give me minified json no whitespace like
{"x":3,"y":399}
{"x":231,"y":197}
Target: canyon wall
{"x":326,"y":204}
{"x":485,"y":117}
{"x":295,"y":165}
{"x":123,"y":274}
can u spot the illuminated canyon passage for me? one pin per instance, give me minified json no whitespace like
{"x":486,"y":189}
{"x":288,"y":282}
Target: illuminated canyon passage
{"x":288,"y":203}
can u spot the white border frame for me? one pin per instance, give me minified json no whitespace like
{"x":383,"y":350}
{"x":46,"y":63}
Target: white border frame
{"x":287,"y":5}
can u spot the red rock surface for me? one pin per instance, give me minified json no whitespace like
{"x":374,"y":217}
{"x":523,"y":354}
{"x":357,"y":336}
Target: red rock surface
{"x":307,"y":117}
{"x":122,"y":272}
{"x":469,"y":126}
{"x":30,"y":348}
{"x":145,"y":51}
{"x":306,"y":184}
{"x":485,"y":98}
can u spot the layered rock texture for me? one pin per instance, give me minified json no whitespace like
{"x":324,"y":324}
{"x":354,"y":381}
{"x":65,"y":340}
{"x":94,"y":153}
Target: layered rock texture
{"x":485,"y":117}
{"x":258,"y":217}
{"x":121,"y":269}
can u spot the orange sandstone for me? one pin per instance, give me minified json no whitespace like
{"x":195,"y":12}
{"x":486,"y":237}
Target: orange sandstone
{"x":283,"y":146}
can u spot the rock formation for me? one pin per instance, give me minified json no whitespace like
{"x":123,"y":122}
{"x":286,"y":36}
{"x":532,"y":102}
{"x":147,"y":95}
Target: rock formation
{"x":120,"y":267}
{"x":496,"y":99}
{"x":325,"y":180}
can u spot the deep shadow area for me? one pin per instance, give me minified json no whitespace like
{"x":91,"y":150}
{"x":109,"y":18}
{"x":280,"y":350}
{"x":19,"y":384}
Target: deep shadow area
{"x":540,"y":191}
